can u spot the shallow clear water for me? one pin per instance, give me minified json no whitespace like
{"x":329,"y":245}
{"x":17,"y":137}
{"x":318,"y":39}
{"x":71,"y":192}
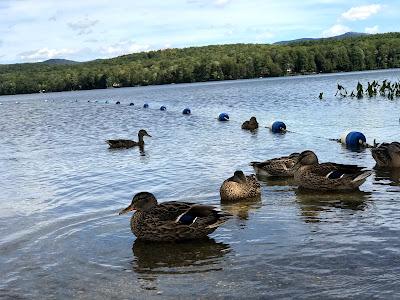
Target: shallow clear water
{"x":61,"y":189}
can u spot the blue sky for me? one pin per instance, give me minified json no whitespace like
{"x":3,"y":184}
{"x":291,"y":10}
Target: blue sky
{"x":36,"y":30}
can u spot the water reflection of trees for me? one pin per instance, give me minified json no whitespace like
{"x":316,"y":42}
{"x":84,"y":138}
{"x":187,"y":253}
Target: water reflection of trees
{"x":312,"y":203}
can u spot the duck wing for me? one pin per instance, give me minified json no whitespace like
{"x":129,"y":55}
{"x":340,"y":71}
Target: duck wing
{"x":185,"y":213}
{"x":336,"y":171}
{"x":120,"y":143}
{"x":277,"y":166}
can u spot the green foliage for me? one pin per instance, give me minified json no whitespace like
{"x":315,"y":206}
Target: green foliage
{"x":196,"y":64}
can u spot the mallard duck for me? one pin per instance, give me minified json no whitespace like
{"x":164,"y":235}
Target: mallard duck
{"x":252,"y":124}
{"x":129,"y":143}
{"x":310,"y":174}
{"x":239,"y":187}
{"x":276,"y":167}
{"x":387,"y":154}
{"x":171,"y":221}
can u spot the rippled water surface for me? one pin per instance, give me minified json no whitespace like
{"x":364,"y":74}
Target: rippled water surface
{"x":61,"y":189}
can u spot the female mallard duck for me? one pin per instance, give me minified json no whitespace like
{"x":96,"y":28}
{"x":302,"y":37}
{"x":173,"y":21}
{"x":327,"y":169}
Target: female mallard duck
{"x":252,"y":124}
{"x":310,"y":174}
{"x":129,"y":143}
{"x":239,"y":187}
{"x":171,"y":221}
{"x":276,"y":167}
{"x":387,"y":154}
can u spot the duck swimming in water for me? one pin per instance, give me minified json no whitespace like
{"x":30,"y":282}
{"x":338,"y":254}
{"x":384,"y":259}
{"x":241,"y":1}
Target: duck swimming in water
{"x":252,"y":124}
{"x":386,"y":155}
{"x":239,"y":187}
{"x":171,"y":221}
{"x":276,"y":167}
{"x":129,"y":143}
{"x":310,"y":174}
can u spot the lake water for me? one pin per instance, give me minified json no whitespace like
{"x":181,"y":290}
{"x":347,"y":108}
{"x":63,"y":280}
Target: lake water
{"x":61,"y":190}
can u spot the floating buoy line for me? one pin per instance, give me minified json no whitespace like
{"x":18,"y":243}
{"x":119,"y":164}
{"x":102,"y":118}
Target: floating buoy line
{"x":350,"y":139}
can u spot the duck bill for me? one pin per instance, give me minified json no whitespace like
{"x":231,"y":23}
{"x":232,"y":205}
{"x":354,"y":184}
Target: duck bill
{"x":126,"y":210}
{"x":148,"y":135}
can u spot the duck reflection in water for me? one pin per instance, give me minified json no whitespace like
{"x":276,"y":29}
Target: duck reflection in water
{"x":383,"y":174}
{"x":277,"y":181}
{"x":312,"y":204}
{"x":241,"y":209}
{"x":196,"y":256}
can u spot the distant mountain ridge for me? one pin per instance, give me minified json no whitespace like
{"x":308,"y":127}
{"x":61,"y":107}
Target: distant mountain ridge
{"x":59,"y":61}
{"x":337,"y":37}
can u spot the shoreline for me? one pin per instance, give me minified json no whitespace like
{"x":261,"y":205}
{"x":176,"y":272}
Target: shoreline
{"x":214,"y":81}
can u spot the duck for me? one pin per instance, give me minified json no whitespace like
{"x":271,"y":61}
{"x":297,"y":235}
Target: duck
{"x":252,"y":124}
{"x":129,"y":143}
{"x":276,"y":167}
{"x":173,"y":220}
{"x":240,"y":187}
{"x":386,"y":155}
{"x":310,"y":174}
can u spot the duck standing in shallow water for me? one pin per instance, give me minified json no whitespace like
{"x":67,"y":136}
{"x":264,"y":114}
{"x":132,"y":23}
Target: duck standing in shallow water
{"x":171,"y":221}
{"x":239,"y":187}
{"x":252,"y":124}
{"x":129,"y":143}
{"x":276,"y":167}
{"x":386,"y":155}
{"x":310,"y":174}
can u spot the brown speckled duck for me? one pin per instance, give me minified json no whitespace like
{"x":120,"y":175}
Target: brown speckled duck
{"x":239,"y":187}
{"x":386,"y":155}
{"x":252,"y":124}
{"x":171,"y":221}
{"x":310,"y":174}
{"x":129,"y":143}
{"x":276,"y":167}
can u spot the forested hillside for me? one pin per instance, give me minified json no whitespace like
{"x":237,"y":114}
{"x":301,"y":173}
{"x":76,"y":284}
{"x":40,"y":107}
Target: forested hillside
{"x":220,"y":62}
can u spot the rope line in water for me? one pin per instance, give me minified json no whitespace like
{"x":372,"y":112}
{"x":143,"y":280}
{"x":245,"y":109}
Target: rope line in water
{"x":235,"y":121}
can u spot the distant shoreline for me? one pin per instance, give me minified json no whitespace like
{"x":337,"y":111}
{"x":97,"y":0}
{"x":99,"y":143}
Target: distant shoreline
{"x":206,"y":64}
{"x":220,"y":81}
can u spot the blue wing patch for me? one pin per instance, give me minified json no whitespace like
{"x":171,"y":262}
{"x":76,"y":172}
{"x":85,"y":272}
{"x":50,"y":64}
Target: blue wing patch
{"x":186,"y":219}
{"x":335,"y":175}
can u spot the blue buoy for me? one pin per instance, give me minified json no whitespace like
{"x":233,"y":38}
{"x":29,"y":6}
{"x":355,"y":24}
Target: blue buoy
{"x":163,"y":108}
{"x":353,"y":139}
{"x":117,"y":102}
{"x":278,"y":127}
{"x":131,"y":104}
{"x":186,"y":111}
{"x":145,"y":105}
{"x":223,"y":117}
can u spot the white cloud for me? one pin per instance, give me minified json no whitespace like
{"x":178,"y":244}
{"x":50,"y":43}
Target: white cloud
{"x":335,"y":30}
{"x":83,"y":26}
{"x":45,"y":53}
{"x":122,"y":48}
{"x":204,"y":3}
{"x":221,"y":2}
{"x":361,"y":12}
{"x":372,"y":30}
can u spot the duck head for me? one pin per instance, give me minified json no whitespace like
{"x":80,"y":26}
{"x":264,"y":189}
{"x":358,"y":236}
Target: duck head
{"x":253,"y":120}
{"x":307,"y":158}
{"x":238,"y":177}
{"x":143,"y":133}
{"x":142,"y":201}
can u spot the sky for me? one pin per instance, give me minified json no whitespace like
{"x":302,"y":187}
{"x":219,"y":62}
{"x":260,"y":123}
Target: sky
{"x":37,"y":30}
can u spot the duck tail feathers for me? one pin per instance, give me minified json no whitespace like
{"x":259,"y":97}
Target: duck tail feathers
{"x":361,"y":177}
{"x":222,"y":218}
